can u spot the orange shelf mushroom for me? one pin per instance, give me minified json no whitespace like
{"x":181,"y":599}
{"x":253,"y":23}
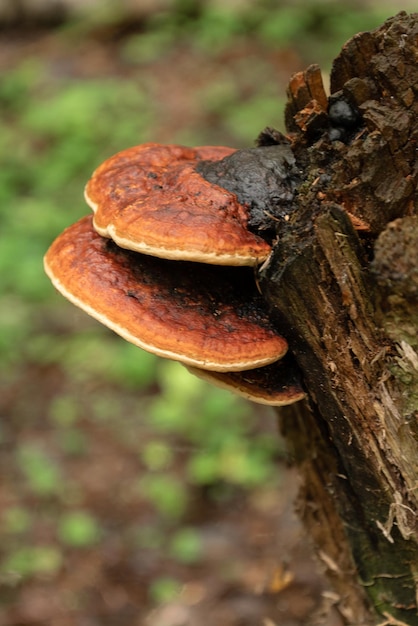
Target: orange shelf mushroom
{"x":275,"y":385}
{"x":151,"y":199}
{"x":207,"y":316}
{"x":159,"y":260}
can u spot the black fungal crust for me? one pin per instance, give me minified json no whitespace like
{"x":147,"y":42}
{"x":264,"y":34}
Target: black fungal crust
{"x":264,"y":178}
{"x":344,"y":118}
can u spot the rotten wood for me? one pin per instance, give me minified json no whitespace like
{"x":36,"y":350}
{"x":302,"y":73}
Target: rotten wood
{"x":342,"y":281}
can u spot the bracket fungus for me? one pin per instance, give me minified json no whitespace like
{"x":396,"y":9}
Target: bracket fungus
{"x":277,"y":384}
{"x":163,"y":262}
{"x":151,"y":199}
{"x":198,"y":314}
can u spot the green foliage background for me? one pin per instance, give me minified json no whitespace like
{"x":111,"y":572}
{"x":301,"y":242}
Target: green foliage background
{"x":64,"y":380}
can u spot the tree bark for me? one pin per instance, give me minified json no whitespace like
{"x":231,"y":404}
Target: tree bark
{"x":343,"y":283}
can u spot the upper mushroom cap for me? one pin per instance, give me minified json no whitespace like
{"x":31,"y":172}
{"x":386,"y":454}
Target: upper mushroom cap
{"x":205,"y":316}
{"x":151,"y":199}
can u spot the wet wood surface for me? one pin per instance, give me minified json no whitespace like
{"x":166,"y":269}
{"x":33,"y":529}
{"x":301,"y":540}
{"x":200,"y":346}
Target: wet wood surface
{"x":342,"y":284}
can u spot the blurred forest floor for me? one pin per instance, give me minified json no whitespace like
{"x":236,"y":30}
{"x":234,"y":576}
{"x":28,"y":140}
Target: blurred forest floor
{"x":132,"y":494}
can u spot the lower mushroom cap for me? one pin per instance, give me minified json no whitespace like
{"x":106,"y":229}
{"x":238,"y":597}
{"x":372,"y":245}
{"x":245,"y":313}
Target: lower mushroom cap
{"x":275,"y":385}
{"x":205,"y":316}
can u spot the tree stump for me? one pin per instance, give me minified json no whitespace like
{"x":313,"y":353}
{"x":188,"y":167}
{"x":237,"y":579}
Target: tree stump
{"x":343,"y":282}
